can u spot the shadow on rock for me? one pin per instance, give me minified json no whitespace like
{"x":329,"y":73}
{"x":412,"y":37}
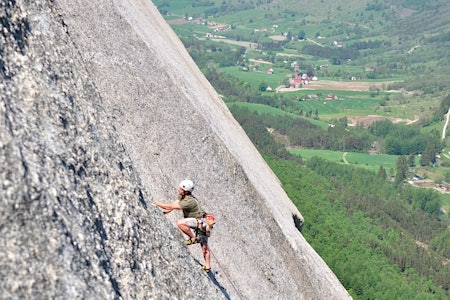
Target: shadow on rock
{"x":213,"y":278}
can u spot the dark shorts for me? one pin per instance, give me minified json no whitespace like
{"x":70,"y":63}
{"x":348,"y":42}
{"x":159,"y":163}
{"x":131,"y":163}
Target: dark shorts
{"x":202,"y":239}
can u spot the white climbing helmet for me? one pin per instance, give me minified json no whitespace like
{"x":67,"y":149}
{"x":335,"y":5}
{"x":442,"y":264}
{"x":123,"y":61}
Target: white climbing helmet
{"x":187,"y":185}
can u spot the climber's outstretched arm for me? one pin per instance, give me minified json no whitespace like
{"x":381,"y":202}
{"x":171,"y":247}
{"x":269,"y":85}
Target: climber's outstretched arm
{"x":168,"y":207}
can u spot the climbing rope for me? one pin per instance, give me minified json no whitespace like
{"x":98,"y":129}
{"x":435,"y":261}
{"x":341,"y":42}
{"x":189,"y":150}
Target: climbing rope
{"x":226,"y":274}
{"x":197,"y":234}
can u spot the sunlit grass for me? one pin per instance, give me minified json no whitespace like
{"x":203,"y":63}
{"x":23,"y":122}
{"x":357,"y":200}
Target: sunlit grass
{"x":364,"y":160}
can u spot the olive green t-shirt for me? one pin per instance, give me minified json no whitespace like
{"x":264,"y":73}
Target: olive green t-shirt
{"x":190,"y":207}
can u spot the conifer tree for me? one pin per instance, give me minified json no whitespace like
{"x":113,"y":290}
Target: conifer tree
{"x":402,"y":169}
{"x":382,"y":172}
{"x":411,"y":160}
{"x":428,"y":156}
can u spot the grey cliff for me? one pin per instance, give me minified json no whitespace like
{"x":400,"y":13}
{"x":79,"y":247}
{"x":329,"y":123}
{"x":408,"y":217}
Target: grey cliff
{"x":102,"y":110}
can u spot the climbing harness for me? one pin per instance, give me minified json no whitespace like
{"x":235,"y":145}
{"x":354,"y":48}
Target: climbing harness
{"x":205,"y":224}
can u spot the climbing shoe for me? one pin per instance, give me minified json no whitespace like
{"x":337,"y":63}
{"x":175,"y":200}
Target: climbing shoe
{"x":207,"y":270}
{"x":191,"y":242}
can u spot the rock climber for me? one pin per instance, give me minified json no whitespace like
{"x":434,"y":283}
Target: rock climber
{"x":194,"y":218}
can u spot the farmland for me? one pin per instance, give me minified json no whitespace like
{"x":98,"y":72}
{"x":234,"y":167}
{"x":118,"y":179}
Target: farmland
{"x":378,"y":82}
{"x":364,"y":160}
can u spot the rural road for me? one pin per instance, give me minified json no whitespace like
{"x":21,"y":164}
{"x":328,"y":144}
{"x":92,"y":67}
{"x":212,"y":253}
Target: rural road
{"x":446,"y":124}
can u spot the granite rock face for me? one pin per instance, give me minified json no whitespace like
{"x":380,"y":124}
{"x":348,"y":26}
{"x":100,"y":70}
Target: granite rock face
{"x":102,"y":110}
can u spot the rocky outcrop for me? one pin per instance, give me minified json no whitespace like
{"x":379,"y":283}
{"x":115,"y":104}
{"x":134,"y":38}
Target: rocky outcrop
{"x":103,"y":110}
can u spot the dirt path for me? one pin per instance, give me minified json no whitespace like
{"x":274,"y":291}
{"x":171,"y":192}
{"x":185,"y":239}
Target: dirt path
{"x":314,"y":42}
{"x":257,"y":61}
{"x":444,"y":131}
{"x":344,"y":158}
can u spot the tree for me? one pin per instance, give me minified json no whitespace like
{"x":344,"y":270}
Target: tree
{"x":411,"y":160}
{"x":301,"y":35}
{"x":444,"y":107}
{"x":263,"y":86}
{"x":381,"y":128}
{"x":335,"y":61}
{"x":402,"y":169}
{"x":382,"y":172}
{"x":428,"y":156}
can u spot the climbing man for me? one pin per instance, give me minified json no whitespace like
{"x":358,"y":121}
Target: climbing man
{"x":194,"y":218}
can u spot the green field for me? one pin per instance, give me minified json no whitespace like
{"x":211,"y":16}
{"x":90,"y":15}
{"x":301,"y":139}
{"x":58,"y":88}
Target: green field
{"x":345,"y":106}
{"x":364,"y":160}
{"x":264,"y":109}
{"x":446,"y":203}
{"x":340,"y":108}
{"x":256,"y":78}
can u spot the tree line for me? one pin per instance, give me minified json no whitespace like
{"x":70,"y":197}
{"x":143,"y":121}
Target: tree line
{"x":397,"y":139}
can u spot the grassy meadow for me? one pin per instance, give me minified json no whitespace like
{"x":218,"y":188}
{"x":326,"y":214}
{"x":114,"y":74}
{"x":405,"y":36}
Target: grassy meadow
{"x":363,"y":160}
{"x":446,"y":203}
{"x":256,"y":78}
{"x":264,"y":109}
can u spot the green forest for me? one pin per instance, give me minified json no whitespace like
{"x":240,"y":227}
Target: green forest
{"x":382,"y":240}
{"x":382,"y":236}
{"x":368,"y":238}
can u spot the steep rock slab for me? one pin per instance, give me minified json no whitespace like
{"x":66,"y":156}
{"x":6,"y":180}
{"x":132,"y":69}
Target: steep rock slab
{"x":175,"y":126}
{"x":75,"y":222}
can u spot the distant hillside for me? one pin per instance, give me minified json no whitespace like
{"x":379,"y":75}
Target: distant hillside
{"x":409,"y":38}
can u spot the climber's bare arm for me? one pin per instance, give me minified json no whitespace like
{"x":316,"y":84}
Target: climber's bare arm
{"x":168,"y":207}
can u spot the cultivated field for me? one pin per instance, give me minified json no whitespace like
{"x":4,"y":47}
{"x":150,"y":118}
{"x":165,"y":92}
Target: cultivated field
{"x":342,"y":86}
